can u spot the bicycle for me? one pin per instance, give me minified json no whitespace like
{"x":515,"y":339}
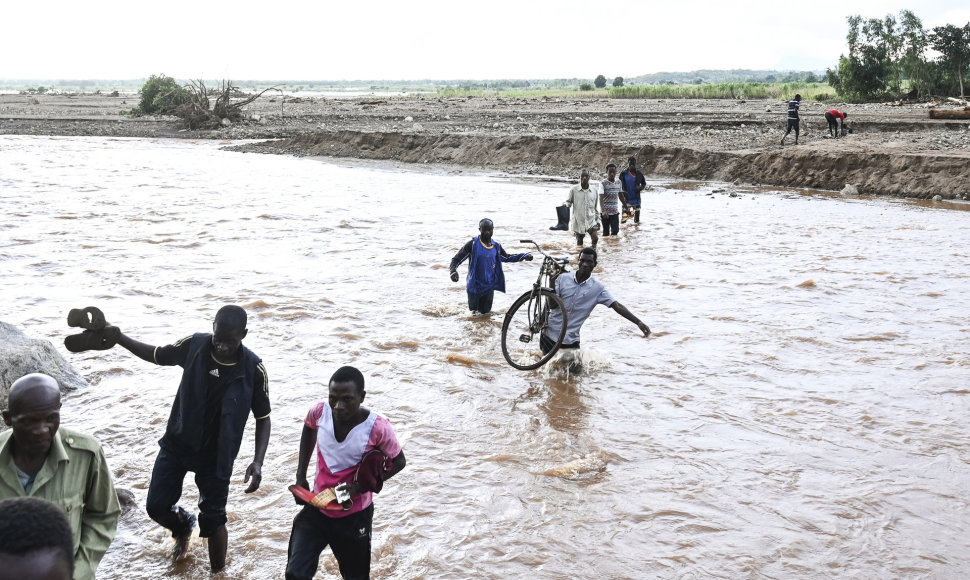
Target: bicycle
{"x":528,"y":317}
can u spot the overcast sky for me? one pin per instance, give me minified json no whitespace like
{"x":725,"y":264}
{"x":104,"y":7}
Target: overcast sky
{"x":430,"y":39}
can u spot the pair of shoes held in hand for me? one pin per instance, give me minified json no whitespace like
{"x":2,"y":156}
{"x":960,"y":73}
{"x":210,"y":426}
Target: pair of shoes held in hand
{"x":97,"y":334}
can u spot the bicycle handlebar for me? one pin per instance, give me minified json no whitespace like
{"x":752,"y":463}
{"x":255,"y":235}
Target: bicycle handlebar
{"x":541,"y":251}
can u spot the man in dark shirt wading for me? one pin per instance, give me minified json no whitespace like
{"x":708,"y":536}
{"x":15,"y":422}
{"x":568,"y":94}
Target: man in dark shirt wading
{"x":222,"y":382}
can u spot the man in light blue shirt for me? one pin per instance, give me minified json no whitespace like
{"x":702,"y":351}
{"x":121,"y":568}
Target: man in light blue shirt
{"x":580,"y":293}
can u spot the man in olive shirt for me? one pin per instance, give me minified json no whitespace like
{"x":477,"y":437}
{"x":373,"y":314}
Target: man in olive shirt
{"x":65,"y":467}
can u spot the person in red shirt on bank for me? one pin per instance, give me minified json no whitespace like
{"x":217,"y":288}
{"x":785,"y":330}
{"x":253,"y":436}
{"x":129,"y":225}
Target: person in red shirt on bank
{"x":834,"y":129}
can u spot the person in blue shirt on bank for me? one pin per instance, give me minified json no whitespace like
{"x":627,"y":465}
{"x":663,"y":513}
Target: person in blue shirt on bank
{"x":484,"y":267}
{"x":580,"y":294}
{"x":632,"y":183}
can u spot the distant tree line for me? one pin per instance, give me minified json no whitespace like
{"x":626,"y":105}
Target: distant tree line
{"x":498,"y":84}
{"x":707,"y":76}
{"x":894,"y":57}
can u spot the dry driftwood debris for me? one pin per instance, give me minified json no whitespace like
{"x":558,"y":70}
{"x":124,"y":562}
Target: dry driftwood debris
{"x":197,"y":114}
{"x":950,"y":113}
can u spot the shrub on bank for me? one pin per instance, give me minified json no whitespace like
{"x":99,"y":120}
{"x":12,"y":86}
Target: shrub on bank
{"x":162,"y":95}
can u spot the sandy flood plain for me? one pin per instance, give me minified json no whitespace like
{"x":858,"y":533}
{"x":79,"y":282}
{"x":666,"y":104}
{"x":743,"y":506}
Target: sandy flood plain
{"x":894,"y":150}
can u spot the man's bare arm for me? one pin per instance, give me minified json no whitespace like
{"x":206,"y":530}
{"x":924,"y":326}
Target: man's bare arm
{"x":255,"y":469}
{"x":145,"y":352}
{"x":307,"y":440}
{"x":622,"y":311}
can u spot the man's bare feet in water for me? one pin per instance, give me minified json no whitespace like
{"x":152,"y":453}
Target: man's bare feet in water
{"x":182,"y":540}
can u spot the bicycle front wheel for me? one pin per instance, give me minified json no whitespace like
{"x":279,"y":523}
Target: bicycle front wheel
{"x":524,"y":324}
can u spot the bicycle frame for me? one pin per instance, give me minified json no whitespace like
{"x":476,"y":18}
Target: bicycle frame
{"x":551,"y":268}
{"x":528,"y":317}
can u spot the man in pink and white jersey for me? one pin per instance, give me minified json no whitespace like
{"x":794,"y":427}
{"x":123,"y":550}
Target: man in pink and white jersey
{"x":356,"y":447}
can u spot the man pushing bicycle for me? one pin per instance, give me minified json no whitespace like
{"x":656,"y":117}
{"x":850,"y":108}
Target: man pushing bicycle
{"x":580,"y":293}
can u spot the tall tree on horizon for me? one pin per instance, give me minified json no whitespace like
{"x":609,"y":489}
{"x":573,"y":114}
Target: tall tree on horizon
{"x":953,"y":43}
{"x":867,"y":71}
{"x":914,"y":40}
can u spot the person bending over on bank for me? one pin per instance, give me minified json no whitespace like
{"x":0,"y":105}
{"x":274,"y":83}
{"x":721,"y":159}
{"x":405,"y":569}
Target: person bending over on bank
{"x":793,"y":119}
{"x":633,"y":182}
{"x":834,"y":118}
{"x":580,"y":293}
{"x":586,"y":215}
{"x":610,"y":202}
{"x":39,"y":458}
{"x":36,"y":542}
{"x":354,"y":446}
{"x":222,"y":381}
{"x":485,"y":274}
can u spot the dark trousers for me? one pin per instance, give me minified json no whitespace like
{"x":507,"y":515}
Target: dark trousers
{"x":611,"y":224}
{"x":833,"y":124}
{"x":635,"y":210}
{"x":481,"y":302}
{"x":546,"y":344}
{"x":348,"y":538}
{"x":165,"y":490}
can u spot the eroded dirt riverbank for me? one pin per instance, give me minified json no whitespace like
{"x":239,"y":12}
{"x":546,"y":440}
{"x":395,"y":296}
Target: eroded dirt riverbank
{"x":893,"y":150}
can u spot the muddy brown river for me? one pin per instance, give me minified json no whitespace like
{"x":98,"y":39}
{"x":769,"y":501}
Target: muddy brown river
{"x":801,"y":410}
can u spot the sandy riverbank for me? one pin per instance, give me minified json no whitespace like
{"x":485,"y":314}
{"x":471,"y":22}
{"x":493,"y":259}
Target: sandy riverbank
{"x":894,"y":150}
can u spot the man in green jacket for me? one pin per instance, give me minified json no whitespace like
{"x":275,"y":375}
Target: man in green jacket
{"x":65,"y":467}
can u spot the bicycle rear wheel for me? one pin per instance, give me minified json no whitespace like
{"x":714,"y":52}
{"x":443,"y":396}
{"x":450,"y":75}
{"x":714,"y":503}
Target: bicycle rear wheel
{"x":524,"y":323}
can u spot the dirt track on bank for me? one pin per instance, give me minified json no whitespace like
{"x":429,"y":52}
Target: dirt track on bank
{"x":893,"y":150}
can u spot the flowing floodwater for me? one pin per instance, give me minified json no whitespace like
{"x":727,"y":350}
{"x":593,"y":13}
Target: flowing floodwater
{"x":801,"y":410}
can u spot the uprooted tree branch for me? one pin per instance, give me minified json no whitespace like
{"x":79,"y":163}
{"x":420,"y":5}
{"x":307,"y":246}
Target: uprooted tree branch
{"x":197,"y":114}
{"x":162,"y":95}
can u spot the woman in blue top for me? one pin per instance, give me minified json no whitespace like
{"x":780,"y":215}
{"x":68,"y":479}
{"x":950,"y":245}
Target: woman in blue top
{"x":484,"y":268}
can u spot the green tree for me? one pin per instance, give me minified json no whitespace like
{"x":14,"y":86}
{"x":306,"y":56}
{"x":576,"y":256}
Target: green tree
{"x":953,"y":44}
{"x":618,"y":82}
{"x":585,"y":87}
{"x":161,"y":94}
{"x":884,"y":54}
{"x":912,"y":58}
{"x":866,"y":73}
{"x":833,"y":79}
{"x":600,"y":82}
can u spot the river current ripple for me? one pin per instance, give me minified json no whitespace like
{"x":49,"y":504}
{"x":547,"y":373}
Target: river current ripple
{"x":801,"y":410}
